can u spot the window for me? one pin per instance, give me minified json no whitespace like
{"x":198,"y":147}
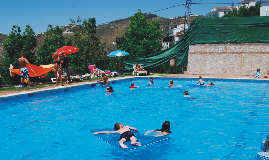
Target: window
{"x":225,"y":12}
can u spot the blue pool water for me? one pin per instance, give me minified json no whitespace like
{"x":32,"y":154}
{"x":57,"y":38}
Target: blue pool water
{"x":227,"y":121}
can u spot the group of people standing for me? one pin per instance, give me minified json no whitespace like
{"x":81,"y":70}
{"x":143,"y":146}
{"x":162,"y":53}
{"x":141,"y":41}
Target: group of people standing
{"x":60,"y":66}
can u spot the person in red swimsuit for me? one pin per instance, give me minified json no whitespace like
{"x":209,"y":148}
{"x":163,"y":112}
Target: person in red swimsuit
{"x":133,"y":86}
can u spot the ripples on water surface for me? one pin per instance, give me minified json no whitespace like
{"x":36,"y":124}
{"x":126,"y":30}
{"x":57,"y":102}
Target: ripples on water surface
{"x":227,"y":121}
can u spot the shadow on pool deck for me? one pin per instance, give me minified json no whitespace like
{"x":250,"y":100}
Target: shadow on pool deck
{"x":155,"y":75}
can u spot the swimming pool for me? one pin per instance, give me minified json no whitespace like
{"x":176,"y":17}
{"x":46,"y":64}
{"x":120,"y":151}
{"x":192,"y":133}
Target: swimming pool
{"x":227,"y":121}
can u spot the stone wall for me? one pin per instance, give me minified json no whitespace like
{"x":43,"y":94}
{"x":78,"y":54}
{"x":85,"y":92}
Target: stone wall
{"x":228,"y":59}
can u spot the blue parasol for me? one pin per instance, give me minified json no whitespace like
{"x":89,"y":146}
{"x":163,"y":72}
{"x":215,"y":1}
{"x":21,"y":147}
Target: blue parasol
{"x":118,"y":53}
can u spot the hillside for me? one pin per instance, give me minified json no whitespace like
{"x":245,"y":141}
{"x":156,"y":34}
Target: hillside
{"x":109,"y":32}
{"x":118,"y":28}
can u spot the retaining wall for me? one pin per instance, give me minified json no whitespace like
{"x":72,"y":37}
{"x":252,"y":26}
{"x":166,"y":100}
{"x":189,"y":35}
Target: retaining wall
{"x":228,"y":59}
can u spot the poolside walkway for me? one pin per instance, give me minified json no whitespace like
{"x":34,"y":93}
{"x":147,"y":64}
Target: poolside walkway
{"x":158,"y":75}
{"x":213,"y":76}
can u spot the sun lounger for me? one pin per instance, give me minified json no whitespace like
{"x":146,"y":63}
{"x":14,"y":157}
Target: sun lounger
{"x":139,"y":72}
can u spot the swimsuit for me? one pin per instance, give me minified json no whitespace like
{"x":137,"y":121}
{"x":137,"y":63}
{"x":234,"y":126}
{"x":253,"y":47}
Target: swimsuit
{"x":24,"y":73}
{"x":132,"y":87}
{"x":201,"y":84}
{"x":56,"y":69}
{"x":127,"y":135}
{"x":58,"y":62}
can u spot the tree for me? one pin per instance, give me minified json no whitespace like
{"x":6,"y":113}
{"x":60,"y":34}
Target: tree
{"x":245,"y":12}
{"x":29,"y":43}
{"x":142,"y":38}
{"x":16,"y":44}
{"x":87,"y":41}
{"x":13,"y":46}
{"x":54,"y":40}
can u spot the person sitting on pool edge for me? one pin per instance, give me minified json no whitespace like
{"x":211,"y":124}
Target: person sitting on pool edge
{"x":267,"y":76}
{"x":186,"y":95}
{"x":126,"y":134}
{"x":133,"y":86}
{"x":151,"y":81}
{"x":109,"y":89}
{"x":200,"y":81}
{"x":161,"y":132}
{"x":171,"y":84}
{"x":105,"y":79}
{"x":258,"y":74}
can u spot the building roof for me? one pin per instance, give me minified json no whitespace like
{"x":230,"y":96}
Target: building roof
{"x":218,"y":8}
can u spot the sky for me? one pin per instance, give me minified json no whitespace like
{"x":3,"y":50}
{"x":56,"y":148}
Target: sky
{"x":40,"y":13}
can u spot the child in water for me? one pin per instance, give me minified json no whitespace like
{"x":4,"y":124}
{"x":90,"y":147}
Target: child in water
{"x":161,"y":132}
{"x":151,"y":82}
{"x":109,"y":89}
{"x":126,"y":134}
{"x":186,"y":95}
{"x":133,"y":86}
{"x":171,"y":84}
{"x":200,"y":81}
{"x":210,"y":84}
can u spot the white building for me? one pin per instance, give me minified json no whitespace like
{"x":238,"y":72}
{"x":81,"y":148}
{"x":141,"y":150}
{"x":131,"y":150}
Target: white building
{"x":219,"y":11}
{"x":247,"y":3}
{"x":175,"y":35}
{"x":264,"y":10}
{"x":180,"y":28}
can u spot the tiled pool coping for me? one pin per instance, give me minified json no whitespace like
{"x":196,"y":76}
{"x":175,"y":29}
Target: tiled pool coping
{"x":11,"y":96}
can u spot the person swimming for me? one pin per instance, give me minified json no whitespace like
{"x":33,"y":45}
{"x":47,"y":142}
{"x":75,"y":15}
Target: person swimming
{"x":109,"y":89}
{"x":186,"y":95}
{"x":165,"y":130}
{"x":266,"y":145}
{"x":200,"y":81}
{"x":133,"y":86}
{"x":151,"y":82}
{"x":171,"y":84}
{"x":210,"y":84}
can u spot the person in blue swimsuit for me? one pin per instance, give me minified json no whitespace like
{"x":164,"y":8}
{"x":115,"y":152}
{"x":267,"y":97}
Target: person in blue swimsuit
{"x":258,"y":74}
{"x":200,"y":81}
{"x":24,"y":71}
{"x":126,"y":134}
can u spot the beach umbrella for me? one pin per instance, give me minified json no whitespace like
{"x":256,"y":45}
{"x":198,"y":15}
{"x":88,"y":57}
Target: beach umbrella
{"x":118,"y":53}
{"x":67,"y":50}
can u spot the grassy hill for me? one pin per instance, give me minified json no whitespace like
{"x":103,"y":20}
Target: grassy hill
{"x":109,"y":32}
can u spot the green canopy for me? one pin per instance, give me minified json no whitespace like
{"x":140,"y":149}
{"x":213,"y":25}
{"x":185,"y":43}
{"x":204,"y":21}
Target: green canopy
{"x":209,"y":31}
